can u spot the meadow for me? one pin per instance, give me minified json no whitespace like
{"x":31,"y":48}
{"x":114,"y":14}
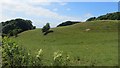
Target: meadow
{"x":98,"y":46}
{"x":0,"y":52}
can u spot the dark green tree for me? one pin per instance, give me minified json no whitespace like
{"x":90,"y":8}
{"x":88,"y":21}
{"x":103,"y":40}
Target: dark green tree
{"x":66,"y":23}
{"x":46,"y":27}
{"x":91,"y":19}
{"x":108,"y":16}
{"x":16,"y":25}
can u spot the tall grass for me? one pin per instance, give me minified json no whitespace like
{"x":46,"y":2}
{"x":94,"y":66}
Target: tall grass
{"x":14,"y":55}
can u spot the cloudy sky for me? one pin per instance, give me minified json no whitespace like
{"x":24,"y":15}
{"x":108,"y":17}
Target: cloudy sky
{"x":42,"y":11}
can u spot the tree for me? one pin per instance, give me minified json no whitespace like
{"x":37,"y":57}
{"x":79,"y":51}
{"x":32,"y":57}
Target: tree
{"x":108,"y":16}
{"x":91,"y":19}
{"x":68,"y":23}
{"x":15,"y":32}
{"x":46,"y":27}
{"x":16,"y":26}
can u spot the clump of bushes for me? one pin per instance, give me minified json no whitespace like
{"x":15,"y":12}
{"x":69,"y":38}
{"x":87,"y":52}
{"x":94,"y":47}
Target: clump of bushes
{"x":66,"y":23}
{"x":61,"y":59}
{"x":14,"y":55}
{"x":45,"y":29}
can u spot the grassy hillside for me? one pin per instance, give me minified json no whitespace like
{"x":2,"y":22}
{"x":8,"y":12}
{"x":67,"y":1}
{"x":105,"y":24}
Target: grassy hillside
{"x":0,"y":56}
{"x":0,"y":52}
{"x":98,"y":46}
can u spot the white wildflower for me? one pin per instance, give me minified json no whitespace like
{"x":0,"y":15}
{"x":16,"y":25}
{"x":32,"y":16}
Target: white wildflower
{"x":68,"y":57}
{"x":39,"y":53}
{"x":37,"y":56}
{"x":28,"y":53}
{"x":57,"y":54}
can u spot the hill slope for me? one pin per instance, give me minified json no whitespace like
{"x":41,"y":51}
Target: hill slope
{"x":98,"y":45}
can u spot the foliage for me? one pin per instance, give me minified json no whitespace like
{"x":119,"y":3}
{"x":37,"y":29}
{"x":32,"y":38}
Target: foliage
{"x":67,"y":23}
{"x":46,"y":28}
{"x":91,"y":19}
{"x":0,"y":29}
{"x":34,"y":27}
{"x":61,"y":59}
{"x":108,"y":16}
{"x":16,"y":26}
{"x":14,"y":55}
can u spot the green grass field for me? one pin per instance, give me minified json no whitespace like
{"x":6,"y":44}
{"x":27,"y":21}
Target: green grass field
{"x":0,"y":52}
{"x":99,"y":46}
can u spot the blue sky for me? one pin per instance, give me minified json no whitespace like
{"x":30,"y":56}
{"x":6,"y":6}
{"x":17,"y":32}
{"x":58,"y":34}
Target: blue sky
{"x":81,"y":8}
{"x":54,"y":12}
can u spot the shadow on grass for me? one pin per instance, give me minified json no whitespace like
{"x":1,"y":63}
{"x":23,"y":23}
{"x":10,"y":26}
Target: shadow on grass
{"x":50,"y":31}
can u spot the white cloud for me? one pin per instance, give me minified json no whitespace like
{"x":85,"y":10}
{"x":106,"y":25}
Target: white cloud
{"x":16,"y":6}
{"x":55,"y":9}
{"x":28,"y":8}
{"x":87,"y":15}
{"x":62,"y":3}
{"x":68,"y":9}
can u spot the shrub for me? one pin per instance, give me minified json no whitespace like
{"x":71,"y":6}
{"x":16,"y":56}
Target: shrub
{"x":34,"y":27}
{"x":46,"y":28}
{"x":91,"y":19}
{"x":61,"y":59}
{"x":13,"y":55}
{"x":67,"y":23}
{"x":39,"y":58}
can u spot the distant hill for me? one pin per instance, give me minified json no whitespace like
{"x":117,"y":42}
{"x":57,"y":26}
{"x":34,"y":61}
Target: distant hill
{"x":108,"y":16}
{"x":68,"y":23}
{"x":16,"y":26}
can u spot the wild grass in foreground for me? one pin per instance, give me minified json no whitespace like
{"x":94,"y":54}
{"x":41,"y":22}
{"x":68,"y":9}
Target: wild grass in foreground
{"x":14,"y":55}
{"x":0,"y":56}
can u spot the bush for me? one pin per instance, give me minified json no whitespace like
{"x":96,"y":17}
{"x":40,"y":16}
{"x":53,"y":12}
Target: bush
{"x":61,"y":59}
{"x":91,"y":19}
{"x":34,"y":27}
{"x":67,"y":23}
{"x":14,"y":55}
{"x":46,"y":28}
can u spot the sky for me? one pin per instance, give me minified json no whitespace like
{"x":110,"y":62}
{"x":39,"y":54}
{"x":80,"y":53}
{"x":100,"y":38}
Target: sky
{"x":55,"y":12}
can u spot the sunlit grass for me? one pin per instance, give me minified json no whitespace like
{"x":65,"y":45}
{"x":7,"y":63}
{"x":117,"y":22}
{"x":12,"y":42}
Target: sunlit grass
{"x":98,"y":46}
